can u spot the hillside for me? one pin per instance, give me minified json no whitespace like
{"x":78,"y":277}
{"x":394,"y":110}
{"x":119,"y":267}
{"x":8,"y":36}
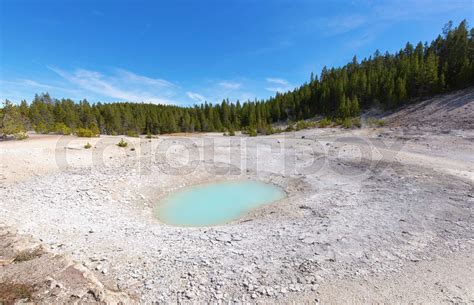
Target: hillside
{"x":448,"y":111}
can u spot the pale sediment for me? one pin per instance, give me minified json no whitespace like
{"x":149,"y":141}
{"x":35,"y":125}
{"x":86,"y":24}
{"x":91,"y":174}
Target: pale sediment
{"x":346,"y":219}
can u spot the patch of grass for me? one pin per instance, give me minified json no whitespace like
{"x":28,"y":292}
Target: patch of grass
{"x":88,"y":145}
{"x":28,"y":255}
{"x":122,"y":143}
{"x":11,"y":292}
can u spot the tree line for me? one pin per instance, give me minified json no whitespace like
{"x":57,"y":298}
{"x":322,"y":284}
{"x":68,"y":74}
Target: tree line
{"x":382,"y":80}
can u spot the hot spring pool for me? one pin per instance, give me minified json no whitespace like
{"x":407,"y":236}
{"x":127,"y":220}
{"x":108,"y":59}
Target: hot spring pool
{"x":216,"y":203}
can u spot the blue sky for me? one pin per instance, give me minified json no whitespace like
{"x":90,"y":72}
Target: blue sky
{"x":184,"y":52}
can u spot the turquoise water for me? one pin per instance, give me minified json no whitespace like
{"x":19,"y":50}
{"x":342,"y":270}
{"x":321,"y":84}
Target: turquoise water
{"x":216,"y":203}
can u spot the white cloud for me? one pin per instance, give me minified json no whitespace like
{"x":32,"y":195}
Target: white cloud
{"x":276,"y":89}
{"x":117,"y":85}
{"x":147,"y":80}
{"x":33,"y":83}
{"x":282,"y":85}
{"x":124,"y":86}
{"x":196,"y":96}
{"x":29,"y":82}
{"x":279,"y":81}
{"x":230,"y":85}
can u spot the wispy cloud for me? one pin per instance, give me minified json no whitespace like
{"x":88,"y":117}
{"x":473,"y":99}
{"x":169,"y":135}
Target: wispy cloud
{"x":344,"y":24}
{"x":217,"y":90}
{"x":279,"y":81}
{"x":146,"y":80}
{"x":334,"y":25}
{"x":117,"y":85}
{"x":278,"y":84}
{"x":19,"y":89}
{"x":123,"y":86}
{"x":196,"y":97}
{"x":33,"y":83}
{"x":370,"y":18}
{"x":230,"y":85}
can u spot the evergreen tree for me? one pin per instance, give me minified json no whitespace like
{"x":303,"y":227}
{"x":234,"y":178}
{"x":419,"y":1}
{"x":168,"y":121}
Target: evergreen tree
{"x":11,"y":121}
{"x":388,"y":80}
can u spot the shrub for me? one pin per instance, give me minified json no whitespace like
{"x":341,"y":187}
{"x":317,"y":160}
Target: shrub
{"x":11,"y":120}
{"x":300,"y":125}
{"x":270,"y":130}
{"x":373,"y":122}
{"x":252,"y":132}
{"x":265,"y":130}
{"x":95,"y":130}
{"x":277,"y":130}
{"x":62,"y":128}
{"x":85,"y":133}
{"x":41,"y":128}
{"x":356,"y":122}
{"x":290,"y":128}
{"x":148,"y":135}
{"x":132,"y":133}
{"x":88,"y":145}
{"x":21,"y":135}
{"x":347,"y":123}
{"x":231,"y":132}
{"x":304,"y":125}
{"x":324,"y":123}
{"x":122,"y":143}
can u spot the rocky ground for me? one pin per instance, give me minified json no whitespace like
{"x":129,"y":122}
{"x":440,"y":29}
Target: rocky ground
{"x":372,"y":215}
{"x":31,"y":273}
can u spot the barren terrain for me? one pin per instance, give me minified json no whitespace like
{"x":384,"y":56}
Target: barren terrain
{"x":372,"y":214}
